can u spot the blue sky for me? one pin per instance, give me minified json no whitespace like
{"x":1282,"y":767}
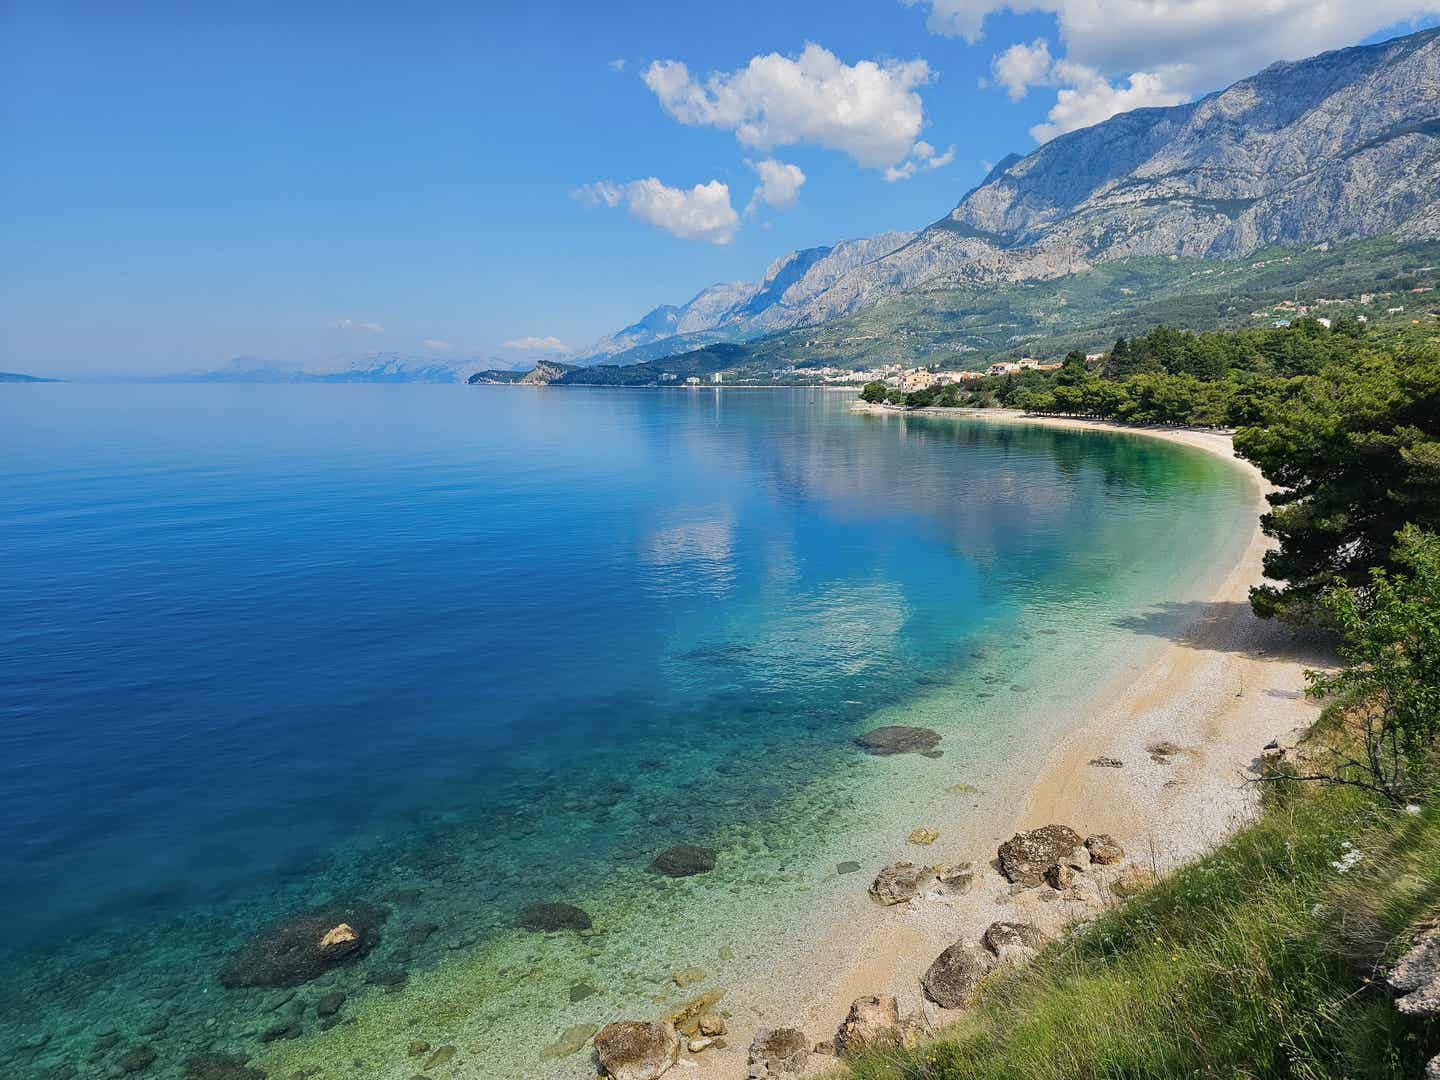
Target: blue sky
{"x":186,"y":183}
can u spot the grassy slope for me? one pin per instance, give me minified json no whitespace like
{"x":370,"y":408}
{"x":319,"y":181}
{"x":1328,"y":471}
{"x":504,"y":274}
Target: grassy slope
{"x":1262,"y":960}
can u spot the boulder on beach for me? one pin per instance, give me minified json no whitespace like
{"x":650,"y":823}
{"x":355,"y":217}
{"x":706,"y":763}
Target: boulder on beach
{"x":1026,"y":856}
{"x":1103,"y":849}
{"x":685,"y":1018}
{"x":873,"y":1021}
{"x":301,"y":947}
{"x":774,"y":1051}
{"x":684,"y":860}
{"x":952,"y":979}
{"x":899,"y":882}
{"x":636,"y":1049}
{"x":1012,"y":942}
{"x":552,"y":917}
{"x":898,"y":739}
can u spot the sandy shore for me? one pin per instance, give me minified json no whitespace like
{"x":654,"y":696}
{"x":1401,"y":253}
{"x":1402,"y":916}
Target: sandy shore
{"x":1223,"y":684}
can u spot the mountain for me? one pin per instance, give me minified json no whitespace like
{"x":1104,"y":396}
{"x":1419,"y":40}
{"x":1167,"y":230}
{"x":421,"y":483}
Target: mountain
{"x":1341,"y":146}
{"x":14,"y":376}
{"x":373,"y":368}
{"x":542,"y":374}
{"x":741,"y":309}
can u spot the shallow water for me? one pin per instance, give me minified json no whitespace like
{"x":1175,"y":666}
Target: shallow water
{"x":458,"y":650}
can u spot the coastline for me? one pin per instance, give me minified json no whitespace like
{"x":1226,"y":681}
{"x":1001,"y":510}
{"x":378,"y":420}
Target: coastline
{"x":1222,"y":685}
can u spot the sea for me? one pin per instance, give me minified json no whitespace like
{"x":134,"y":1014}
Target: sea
{"x":454,"y":651}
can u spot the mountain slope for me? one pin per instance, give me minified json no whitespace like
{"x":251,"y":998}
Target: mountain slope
{"x":741,"y":309}
{"x":1340,"y":146}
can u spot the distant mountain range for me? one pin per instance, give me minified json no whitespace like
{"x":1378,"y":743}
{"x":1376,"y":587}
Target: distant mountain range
{"x":1341,"y":146}
{"x":372,"y":368}
{"x":13,"y":376}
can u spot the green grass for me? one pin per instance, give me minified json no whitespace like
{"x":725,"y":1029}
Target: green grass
{"x":1262,"y":960}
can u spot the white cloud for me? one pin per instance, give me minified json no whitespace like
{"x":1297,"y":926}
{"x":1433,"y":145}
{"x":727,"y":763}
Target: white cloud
{"x":1022,"y":66}
{"x":617,"y":65}
{"x":535,"y":344}
{"x":701,"y":213}
{"x":780,"y":184}
{"x":437,"y":345}
{"x":869,"y":110}
{"x":362,"y":327}
{"x":923,"y":156}
{"x":1127,"y":54}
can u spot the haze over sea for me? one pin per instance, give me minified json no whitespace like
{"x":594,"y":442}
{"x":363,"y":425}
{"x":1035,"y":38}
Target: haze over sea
{"x":457,"y":650}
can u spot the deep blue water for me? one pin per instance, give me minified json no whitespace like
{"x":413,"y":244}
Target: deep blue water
{"x":254,"y":633}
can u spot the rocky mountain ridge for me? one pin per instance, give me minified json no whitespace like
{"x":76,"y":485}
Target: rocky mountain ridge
{"x":1340,"y":146}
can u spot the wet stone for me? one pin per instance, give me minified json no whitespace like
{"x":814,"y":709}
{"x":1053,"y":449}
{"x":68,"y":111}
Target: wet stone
{"x":137,"y":1059}
{"x":684,"y":860}
{"x":330,"y":1004}
{"x":581,"y":991}
{"x":898,"y":739}
{"x":847,"y":867}
{"x":550,"y":918}
{"x":391,"y":981}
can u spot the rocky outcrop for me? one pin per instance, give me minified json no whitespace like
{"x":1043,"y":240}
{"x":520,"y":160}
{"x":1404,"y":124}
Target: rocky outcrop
{"x":636,"y":1049}
{"x":302,"y":947}
{"x":1103,"y":849}
{"x":951,"y":981}
{"x":899,"y":882}
{"x":898,"y":739}
{"x":1012,"y":942}
{"x":1027,"y":856}
{"x":684,"y":860}
{"x":874,"y":1022}
{"x":548,"y":918}
{"x":775,"y":1052}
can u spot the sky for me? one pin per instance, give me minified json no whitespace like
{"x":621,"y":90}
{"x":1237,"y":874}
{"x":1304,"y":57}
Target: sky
{"x":186,"y":183}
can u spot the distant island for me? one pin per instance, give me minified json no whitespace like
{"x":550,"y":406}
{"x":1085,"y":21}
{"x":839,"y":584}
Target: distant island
{"x":15,"y":376}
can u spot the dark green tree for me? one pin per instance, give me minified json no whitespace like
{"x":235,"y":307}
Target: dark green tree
{"x":1355,"y":452}
{"x":874,"y":392}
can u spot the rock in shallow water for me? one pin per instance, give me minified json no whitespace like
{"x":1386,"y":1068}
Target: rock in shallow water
{"x":571,"y":1040}
{"x":548,"y":918}
{"x":302,"y":947}
{"x":899,"y":882}
{"x":220,"y":1067}
{"x":684,"y":860}
{"x":636,"y":1049}
{"x":898,"y":739}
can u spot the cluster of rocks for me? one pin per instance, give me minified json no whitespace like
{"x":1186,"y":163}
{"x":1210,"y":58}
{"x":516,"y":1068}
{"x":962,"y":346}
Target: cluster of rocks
{"x":646,"y":1049}
{"x":1416,"y":978}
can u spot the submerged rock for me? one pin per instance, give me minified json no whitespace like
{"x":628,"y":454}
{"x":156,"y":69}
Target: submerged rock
{"x":923,"y":834}
{"x":899,"y":882}
{"x":548,"y":918}
{"x":301,"y":947}
{"x":952,"y":979}
{"x":775,"y":1051}
{"x":898,"y":739}
{"x":1026,"y":856}
{"x":571,"y":1040}
{"x":220,"y":1067}
{"x":684,"y":860}
{"x":636,"y":1049}
{"x":330,"y":1004}
{"x":137,"y":1059}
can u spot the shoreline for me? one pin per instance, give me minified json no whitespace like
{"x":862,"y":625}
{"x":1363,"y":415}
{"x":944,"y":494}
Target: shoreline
{"x":1221,"y":686}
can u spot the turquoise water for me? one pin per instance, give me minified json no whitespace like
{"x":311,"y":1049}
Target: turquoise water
{"x":453,"y":651}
